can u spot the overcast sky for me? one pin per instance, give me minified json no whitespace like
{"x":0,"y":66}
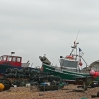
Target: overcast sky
{"x":32,"y":28}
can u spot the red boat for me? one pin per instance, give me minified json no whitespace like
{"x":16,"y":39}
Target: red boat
{"x":9,"y":61}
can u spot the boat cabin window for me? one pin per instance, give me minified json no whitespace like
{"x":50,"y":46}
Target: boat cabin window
{"x":68,"y":63}
{"x":18,"y":59}
{"x":9,"y":58}
{"x":1,"y":58}
{"x":4,"y":58}
{"x":14,"y":59}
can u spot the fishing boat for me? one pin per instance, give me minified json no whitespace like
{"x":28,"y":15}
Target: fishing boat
{"x":10,"y":61}
{"x":70,"y":66}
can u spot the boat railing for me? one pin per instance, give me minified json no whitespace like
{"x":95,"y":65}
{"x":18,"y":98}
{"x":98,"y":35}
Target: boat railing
{"x":67,"y":67}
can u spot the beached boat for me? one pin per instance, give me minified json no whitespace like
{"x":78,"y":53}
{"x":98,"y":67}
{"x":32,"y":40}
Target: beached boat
{"x":70,"y":66}
{"x":9,"y":61}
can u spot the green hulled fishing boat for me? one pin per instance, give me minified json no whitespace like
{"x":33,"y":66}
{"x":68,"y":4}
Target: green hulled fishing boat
{"x":70,"y":66}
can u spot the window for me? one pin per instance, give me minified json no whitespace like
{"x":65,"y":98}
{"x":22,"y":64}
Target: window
{"x":4,"y":58}
{"x":0,"y":58}
{"x":18,"y":59}
{"x":9,"y":58}
{"x":14,"y":59}
{"x":70,"y":64}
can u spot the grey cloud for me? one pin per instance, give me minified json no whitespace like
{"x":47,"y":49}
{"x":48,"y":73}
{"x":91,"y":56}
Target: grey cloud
{"x":36,"y":27}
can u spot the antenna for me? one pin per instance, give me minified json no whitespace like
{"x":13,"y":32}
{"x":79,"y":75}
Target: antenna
{"x":77,"y":36}
{"x":75,"y":44}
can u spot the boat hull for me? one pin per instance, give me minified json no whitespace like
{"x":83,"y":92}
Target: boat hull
{"x":64,"y":74}
{"x":3,"y":68}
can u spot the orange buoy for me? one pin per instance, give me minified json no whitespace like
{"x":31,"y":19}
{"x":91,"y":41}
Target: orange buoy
{"x":1,"y":86}
{"x":69,"y":57}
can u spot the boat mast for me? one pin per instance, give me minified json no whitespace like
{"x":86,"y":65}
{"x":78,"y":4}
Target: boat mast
{"x":75,"y":46}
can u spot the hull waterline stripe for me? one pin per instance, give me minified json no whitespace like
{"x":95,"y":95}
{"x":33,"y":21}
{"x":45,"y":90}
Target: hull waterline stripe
{"x":63,"y":72}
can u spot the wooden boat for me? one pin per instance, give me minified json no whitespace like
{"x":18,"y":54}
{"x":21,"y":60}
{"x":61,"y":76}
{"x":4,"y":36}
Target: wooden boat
{"x":70,"y":66}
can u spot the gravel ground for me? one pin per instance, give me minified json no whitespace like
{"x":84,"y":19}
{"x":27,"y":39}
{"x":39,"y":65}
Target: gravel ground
{"x":68,"y":92}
